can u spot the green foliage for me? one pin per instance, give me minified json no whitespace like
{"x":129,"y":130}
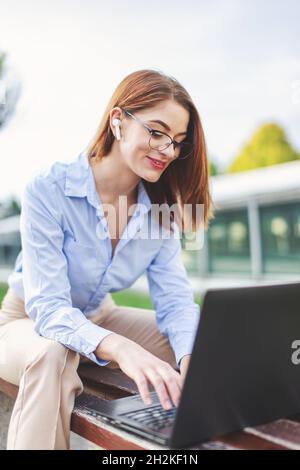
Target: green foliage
{"x":213,"y":170}
{"x":268,"y":146}
{"x":3,"y":290}
{"x":10,"y":207}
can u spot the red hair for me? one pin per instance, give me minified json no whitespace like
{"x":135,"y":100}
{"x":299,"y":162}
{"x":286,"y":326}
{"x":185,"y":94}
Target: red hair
{"x":184,"y":181}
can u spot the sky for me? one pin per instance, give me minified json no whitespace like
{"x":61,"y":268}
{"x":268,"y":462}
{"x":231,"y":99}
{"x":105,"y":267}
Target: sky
{"x":238,"y":59}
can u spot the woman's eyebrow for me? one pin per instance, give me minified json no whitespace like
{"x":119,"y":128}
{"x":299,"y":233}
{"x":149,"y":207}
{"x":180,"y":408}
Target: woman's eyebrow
{"x":163,"y":124}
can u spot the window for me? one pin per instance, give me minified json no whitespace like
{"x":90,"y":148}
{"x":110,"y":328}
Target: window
{"x":190,"y":253}
{"x":280,"y":233}
{"x":228,"y":242}
{"x":10,"y":245}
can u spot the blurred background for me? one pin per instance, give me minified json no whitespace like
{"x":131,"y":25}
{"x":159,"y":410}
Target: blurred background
{"x":60,"y":61}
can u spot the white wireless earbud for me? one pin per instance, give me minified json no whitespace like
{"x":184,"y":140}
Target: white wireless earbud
{"x":117,"y":123}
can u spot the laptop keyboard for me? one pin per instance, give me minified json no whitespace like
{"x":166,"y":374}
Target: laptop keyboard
{"x":154,"y":417}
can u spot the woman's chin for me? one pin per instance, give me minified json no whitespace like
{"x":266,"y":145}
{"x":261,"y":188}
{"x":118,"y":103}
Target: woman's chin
{"x":151,"y":177}
{"x":149,"y":173}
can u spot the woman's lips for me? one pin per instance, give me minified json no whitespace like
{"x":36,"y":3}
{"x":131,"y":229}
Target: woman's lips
{"x":156,"y":164}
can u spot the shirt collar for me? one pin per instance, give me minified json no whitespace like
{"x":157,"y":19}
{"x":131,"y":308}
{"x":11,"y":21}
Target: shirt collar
{"x":80,"y":182}
{"x":77,"y":176}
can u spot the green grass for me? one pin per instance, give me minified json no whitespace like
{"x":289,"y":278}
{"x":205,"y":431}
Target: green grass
{"x":127,"y":298}
{"x":133,"y":299}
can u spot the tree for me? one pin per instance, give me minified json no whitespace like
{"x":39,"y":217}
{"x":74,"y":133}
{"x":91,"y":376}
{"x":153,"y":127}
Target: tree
{"x":212,"y":165}
{"x":10,"y":207}
{"x":10,"y":90}
{"x":268,"y":146}
{"x":213,"y":169}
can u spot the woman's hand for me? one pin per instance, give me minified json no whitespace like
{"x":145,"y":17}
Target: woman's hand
{"x":143,"y":367}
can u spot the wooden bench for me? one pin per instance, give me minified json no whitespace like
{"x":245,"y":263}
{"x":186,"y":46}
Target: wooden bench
{"x":109,"y":384}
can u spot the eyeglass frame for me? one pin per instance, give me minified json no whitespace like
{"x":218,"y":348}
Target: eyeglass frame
{"x":151,"y":131}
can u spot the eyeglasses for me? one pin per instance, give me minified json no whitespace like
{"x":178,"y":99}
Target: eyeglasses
{"x":161,"y":141}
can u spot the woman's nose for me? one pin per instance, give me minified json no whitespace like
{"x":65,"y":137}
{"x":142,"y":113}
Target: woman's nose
{"x":169,"y":152}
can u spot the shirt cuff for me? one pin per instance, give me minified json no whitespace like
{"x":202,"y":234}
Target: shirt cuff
{"x":183,"y":344}
{"x":92,"y":335}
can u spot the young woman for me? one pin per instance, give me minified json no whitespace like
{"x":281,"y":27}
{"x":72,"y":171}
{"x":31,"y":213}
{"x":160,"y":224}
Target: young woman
{"x":80,"y":231}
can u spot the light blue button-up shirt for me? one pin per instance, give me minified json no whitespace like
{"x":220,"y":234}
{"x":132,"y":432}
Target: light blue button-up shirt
{"x":66,"y":267}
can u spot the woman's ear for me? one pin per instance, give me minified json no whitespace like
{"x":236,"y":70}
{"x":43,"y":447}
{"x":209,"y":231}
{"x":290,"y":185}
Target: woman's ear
{"x":115,"y":122}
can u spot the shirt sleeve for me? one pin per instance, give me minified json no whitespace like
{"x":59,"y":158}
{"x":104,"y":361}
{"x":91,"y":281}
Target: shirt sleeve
{"x":45,"y":274}
{"x":172,"y":297}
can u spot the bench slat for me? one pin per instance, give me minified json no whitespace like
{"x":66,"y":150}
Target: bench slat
{"x":112,"y":378}
{"x":285,"y":432}
{"x":8,"y":389}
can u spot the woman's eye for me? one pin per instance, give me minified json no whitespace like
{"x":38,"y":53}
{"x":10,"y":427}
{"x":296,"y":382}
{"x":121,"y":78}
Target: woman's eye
{"x":157,"y":134}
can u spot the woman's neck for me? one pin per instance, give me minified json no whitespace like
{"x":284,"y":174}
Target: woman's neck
{"x":113,"y":180}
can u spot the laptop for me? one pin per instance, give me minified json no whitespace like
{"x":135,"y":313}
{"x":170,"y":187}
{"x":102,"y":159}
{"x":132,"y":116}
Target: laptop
{"x":241,"y":372}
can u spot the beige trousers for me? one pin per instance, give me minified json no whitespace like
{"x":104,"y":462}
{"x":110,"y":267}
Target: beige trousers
{"x":46,"y":370}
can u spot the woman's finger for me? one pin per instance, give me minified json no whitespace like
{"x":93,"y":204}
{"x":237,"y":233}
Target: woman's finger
{"x":142,"y":385}
{"x":160,"y":387}
{"x":173,"y":382}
